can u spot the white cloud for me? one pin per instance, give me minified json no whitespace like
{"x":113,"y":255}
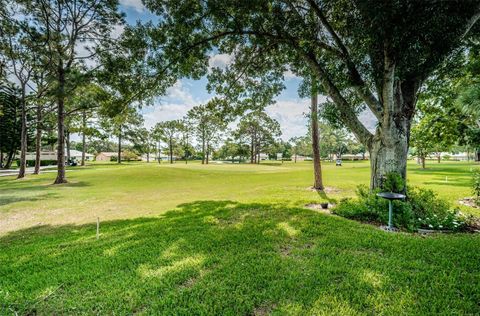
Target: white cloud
{"x":165,"y":112}
{"x":134,"y":4}
{"x":117,"y":30}
{"x":291,"y":116}
{"x":179,"y":94}
{"x":220,"y":60}
{"x":289,"y":75}
{"x":174,"y":105}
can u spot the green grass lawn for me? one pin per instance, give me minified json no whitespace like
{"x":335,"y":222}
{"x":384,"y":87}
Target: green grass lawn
{"x":224,"y":239}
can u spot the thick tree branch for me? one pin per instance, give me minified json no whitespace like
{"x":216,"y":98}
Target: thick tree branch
{"x":358,"y":83}
{"x":474,"y":19}
{"x":348,"y":115}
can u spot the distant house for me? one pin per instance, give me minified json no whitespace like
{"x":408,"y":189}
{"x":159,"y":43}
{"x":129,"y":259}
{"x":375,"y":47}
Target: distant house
{"x":52,"y":155}
{"x":77,"y":155}
{"x":359,"y":156}
{"x":454,"y":156}
{"x":263,"y":156}
{"x":106,"y":156}
{"x":300,"y":158}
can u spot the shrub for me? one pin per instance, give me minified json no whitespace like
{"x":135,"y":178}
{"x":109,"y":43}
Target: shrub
{"x":422,"y":209}
{"x":476,"y":186}
{"x":393,"y":182}
{"x":451,"y":220}
{"x":370,"y":208}
{"x":31,"y":163}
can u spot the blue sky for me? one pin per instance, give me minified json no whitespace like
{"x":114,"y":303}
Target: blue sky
{"x":289,"y":109}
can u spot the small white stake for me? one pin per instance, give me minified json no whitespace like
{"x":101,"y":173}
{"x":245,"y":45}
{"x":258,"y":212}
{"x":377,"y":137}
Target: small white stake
{"x":98,"y":228}
{"x":446,"y":178}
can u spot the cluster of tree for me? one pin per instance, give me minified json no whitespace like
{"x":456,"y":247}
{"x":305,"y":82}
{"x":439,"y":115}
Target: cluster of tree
{"x":361,"y":54}
{"x":43,"y":69}
{"x":63,"y":71}
{"x":449,"y":110}
{"x":206,"y":125}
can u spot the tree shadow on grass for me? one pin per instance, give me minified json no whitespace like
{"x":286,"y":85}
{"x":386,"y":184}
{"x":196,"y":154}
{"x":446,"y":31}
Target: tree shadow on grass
{"x":323,"y":195}
{"x":36,"y":185}
{"x":225,"y":257}
{"x":9,"y":199}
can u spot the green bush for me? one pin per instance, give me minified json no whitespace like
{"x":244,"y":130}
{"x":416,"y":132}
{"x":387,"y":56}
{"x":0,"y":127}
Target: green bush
{"x":393,"y":182}
{"x":369,"y":207}
{"x":43,"y":163}
{"x":422,"y":209}
{"x":476,"y":185}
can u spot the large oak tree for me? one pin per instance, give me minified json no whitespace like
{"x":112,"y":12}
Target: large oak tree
{"x":364,"y":53}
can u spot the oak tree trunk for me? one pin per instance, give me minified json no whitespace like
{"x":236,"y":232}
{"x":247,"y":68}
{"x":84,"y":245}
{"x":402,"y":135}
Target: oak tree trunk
{"x":389,"y":146}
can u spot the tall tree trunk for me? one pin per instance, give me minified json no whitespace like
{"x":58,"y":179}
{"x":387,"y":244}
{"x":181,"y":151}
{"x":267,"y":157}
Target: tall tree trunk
{"x":389,"y":150}
{"x":84,"y":146}
{"x":439,"y":158}
{"x":208,"y":153}
{"x":317,"y":167}
{"x":295,"y":157}
{"x":38,"y":141}
{"x":159,"y":153}
{"x":61,"y":128}
{"x":170,"y":146}
{"x":422,"y":159}
{"x":10,"y":157}
{"x":67,"y":141}
{"x":203,"y":147}
{"x":252,"y":150}
{"x":23,"y":139}
{"x":119,"y":151}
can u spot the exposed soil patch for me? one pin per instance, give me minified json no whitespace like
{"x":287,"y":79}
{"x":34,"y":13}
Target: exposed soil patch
{"x":285,"y":250}
{"x":326,"y":190}
{"x":318,"y":207}
{"x":189,"y":282}
{"x":263,"y":310}
{"x":468,"y":201}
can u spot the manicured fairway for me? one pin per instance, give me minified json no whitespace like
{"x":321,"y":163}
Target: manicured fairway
{"x":223,"y":239}
{"x":111,"y":192}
